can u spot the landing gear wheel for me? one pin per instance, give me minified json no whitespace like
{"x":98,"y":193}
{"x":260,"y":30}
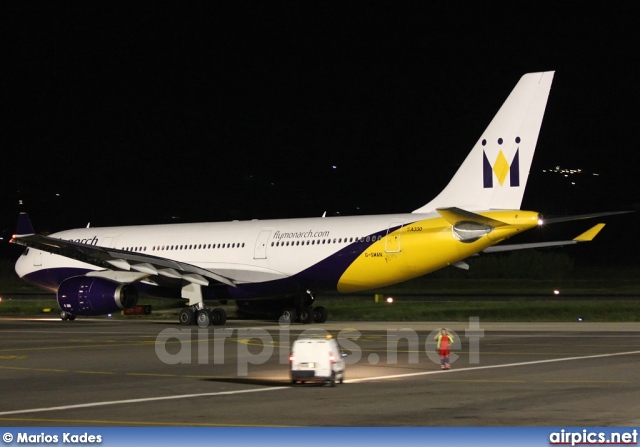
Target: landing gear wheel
{"x":306,"y":315}
{"x":187,"y":316}
{"x":204,"y":317}
{"x":320,"y":314}
{"x":218,"y":316}
{"x":64,"y":316}
{"x":288,"y":316}
{"x":332,"y":382}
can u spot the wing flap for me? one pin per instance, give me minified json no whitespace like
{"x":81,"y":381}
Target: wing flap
{"x":110,"y":258}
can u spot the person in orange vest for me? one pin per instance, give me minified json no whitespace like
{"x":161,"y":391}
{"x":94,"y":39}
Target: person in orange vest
{"x":445,"y":339}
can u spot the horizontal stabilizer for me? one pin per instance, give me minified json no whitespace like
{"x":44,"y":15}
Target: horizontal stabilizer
{"x":584,"y":237}
{"x":455,"y":215}
{"x":589,"y":234}
{"x":24,"y":226}
{"x":513,"y":247}
{"x":583,"y":216}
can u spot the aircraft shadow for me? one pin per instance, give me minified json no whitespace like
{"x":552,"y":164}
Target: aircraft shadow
{"x":250,"y":381}
{"x":262,"y":382}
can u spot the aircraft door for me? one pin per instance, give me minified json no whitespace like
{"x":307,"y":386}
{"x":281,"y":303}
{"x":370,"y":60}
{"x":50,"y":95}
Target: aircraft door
{"x":37,"y":259}
{"x":260,"y":251}
{"x":392,"y":240}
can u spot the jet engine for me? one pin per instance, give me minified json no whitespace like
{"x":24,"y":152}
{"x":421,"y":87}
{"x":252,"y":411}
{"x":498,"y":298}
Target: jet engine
{"x":84,"y":295}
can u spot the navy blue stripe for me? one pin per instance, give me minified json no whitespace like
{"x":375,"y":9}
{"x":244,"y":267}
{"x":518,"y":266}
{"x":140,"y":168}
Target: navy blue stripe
{"x":487,"y":172}
{"x":514,"y":170}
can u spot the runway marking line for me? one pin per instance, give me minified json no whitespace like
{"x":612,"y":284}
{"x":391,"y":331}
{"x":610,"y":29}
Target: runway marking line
{"x":475,"y":368}
{"x":134,"y":423}
{"x":274,"y":388}
{"x":586,"y":381}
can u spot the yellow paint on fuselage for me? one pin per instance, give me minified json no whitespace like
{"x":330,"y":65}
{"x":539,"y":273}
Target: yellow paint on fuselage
{"x":425,"y":246}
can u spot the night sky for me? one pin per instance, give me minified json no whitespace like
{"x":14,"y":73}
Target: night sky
{"x":120,"y":114}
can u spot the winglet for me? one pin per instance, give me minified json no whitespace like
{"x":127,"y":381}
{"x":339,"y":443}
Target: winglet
{"x":589,"y":234}
{"x":24,"y":227}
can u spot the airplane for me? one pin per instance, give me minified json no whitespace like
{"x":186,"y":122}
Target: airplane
{"x":279,"y":265}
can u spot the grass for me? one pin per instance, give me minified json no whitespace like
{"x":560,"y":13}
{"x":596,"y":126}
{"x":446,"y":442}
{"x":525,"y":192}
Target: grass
{"x":560,"y":310}
{"x":360,"y":308}
{"x":595,"y":295}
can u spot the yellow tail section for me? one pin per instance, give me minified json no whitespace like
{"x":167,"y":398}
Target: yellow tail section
{"x":426,"y":246}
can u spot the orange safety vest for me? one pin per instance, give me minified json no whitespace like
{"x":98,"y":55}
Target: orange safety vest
{"x":444,"y":342}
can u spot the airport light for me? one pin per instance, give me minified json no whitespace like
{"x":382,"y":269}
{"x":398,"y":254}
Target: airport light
{"x":556,"y":292}
{"x":389,"y":300}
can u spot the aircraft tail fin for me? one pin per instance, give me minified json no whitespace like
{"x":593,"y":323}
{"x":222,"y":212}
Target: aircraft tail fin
{"x":24,"y":227}
{"x":495,"y":173}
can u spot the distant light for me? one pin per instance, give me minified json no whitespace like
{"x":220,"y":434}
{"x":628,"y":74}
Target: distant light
{"x":389,"y":300}
{"x":556,"y":292}
{"x":109,"y":315}
{"x":334,"y":167}
{"x":540,"y":222}
{"x":580,"y":319}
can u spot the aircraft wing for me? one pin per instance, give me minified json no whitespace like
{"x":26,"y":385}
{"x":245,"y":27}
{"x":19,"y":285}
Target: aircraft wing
{"x":111,"y":258}
{"x":584,"y":237}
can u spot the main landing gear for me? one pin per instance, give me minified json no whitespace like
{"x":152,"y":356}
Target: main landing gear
{"x":203,"y":317}
{"x":304,"y":312}
{"x":196,"y":313}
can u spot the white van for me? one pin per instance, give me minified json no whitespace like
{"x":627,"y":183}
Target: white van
{"x":316,"y":360}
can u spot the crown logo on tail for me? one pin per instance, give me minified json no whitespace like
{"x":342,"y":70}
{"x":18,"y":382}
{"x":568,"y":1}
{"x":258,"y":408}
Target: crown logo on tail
{"x":501,"y":168}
